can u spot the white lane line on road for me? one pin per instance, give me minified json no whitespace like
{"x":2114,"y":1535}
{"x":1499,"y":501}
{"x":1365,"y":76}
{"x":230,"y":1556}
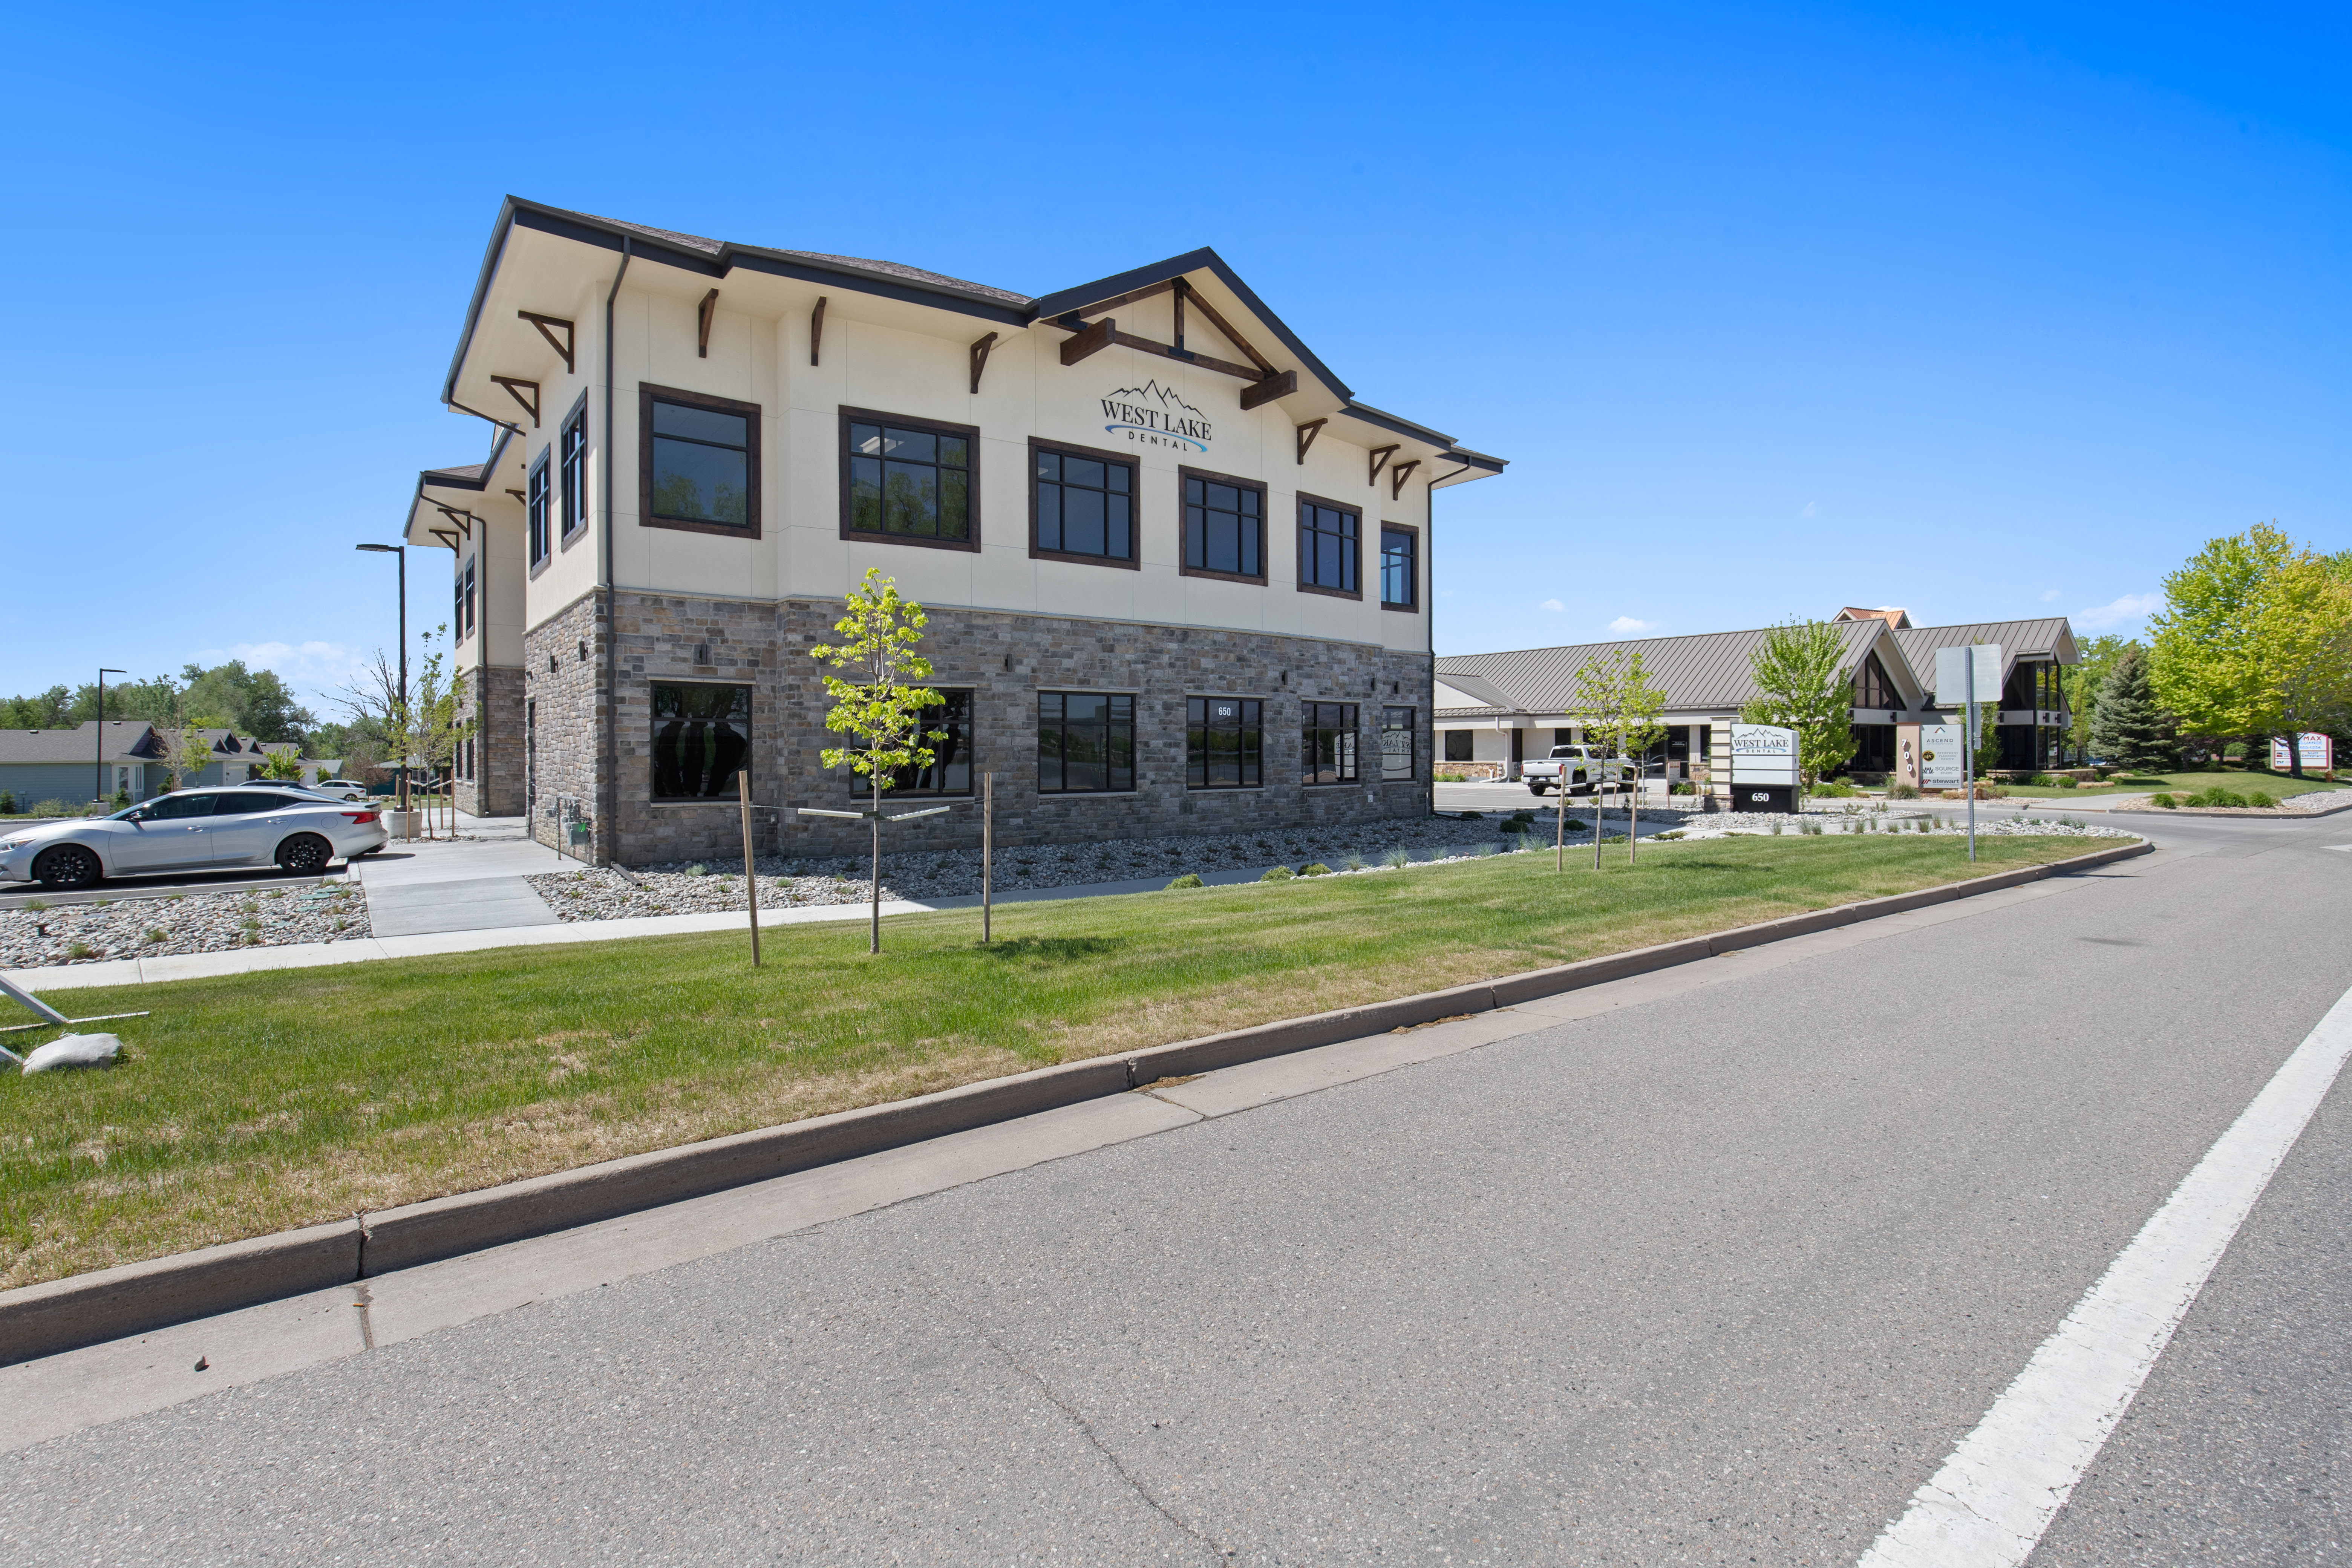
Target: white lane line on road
{"x":1989,"y":1505}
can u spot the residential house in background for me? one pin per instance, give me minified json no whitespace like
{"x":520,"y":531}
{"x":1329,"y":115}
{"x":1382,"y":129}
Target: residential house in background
{"x":1495,"y":710}
{"x":77,"y":766}
{"x":1177,"y":576}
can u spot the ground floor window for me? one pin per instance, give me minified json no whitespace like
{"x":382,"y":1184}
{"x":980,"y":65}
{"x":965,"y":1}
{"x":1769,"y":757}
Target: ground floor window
{"x":1224,"y":743}
{"x":702,"y":739}
{"x":1329,"y":743}
{"x":1085,"y":743}
{"x":1457,"y":745}
{"x":1396,"y":744}
{"x":950,"y":772}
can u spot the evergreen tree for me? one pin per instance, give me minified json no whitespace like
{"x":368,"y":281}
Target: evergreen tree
{"x":2128,"y":728}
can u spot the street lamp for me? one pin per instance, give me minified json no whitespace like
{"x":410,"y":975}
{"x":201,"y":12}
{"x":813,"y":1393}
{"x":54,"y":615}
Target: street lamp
{"x":97,"y":773}
{"x":402,"y":552}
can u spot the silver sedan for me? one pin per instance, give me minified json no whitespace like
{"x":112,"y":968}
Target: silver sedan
{"x":195,"y":830}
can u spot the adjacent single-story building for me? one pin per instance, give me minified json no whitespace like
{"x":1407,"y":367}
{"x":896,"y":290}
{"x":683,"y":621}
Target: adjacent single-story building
{"x":78,"y":765}
{"x":1177,"y":574}
{"x":1495,"y":709}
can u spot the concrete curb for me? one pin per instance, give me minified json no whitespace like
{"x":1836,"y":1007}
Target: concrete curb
{"x":136,"y":1297}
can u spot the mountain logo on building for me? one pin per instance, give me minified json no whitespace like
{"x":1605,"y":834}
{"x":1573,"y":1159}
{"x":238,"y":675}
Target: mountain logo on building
{"x":1153,"y":415}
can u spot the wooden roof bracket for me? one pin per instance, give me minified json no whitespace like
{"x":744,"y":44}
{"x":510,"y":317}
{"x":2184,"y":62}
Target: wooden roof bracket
{"x":702,"y":314}
{"x":816,"y":329}
{"x":1090,"y":339}
{"x":463,"y":520}
{"x":446,"y":537}
{"x":1306,"y":434}
{"x":501,"y":424}
{"x":514,"y":385}
{"x":1381,"y":456}
{"x":547,"y":325}
{"x":518,"y":495}
{"x":980,"y":347}
{"x":1397,"y":475}
{"x":1258,"y":394}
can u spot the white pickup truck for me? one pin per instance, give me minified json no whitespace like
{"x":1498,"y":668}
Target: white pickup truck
{"x":1573,"y":770}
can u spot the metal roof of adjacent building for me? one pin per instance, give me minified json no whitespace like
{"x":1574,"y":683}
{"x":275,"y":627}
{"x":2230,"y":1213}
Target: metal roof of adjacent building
{"x":1709,"y":670}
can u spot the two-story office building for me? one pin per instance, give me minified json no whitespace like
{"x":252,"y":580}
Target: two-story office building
{"x":1177,"y":576}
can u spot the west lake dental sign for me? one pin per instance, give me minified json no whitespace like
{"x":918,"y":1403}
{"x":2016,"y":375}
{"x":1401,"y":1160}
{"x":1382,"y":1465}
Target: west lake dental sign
{"x":1153,"y":415}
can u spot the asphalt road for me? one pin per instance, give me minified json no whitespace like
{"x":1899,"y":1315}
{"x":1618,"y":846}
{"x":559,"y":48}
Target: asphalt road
{"x":1717,"y":1277}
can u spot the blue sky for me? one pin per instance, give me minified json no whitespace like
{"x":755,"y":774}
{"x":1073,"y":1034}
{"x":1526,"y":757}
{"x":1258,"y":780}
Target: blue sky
{"x":1772,"y":309}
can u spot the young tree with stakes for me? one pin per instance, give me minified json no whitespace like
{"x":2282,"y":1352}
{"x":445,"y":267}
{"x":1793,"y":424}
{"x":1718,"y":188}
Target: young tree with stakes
{"x":884,"y":705}
{"x":1618,"y":706}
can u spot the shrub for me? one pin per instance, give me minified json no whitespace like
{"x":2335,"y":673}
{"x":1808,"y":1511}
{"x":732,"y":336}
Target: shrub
{"x":2165,"y":801}
{"x":7,"y":803}
{"x":54,"y":808}
{"x":1279,"y":874}
{"x":1316,"y":869}
{"x":1681,"y":786}
{"x":1574,"y":824}
{"x":2068,"y":780}
{"x":1776,"y":830}
{"x":1188,"y":879}
{"x":2259,"y":797}
{"x":1399,"y":859}
{"x":1898,"y":790}
{"x":1834,"y":789}
{"x":1671,"y":832}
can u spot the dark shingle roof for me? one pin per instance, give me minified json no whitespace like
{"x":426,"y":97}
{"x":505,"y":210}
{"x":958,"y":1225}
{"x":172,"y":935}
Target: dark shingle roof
{"x":127,"y":740}
{"x":716,"y":247}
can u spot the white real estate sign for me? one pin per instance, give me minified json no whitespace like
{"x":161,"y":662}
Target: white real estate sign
{"x":1763,"y":754}
{"x":1952,"y":677}
{"x":1940,"y":762}
{"x":2318,"y":752}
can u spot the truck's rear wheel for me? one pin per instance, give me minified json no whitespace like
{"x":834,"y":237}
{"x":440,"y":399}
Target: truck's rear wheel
{"x":1535,"y":786}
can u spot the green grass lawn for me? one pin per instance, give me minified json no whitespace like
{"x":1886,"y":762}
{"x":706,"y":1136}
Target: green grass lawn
{"x":259,"y":1102}
{"x":2238,"y":781}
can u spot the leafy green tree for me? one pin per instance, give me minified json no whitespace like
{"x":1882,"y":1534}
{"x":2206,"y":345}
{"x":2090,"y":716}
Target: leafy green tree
{"x":1801,"y":684}
{"x":2305,"y":620}
{"x":882,"y":704}
{"x":2131,"y":729}
{"x":47,"y":711}
{"x":285,"y":766}
{"x":2084,"y":680}
{"x":2206,"y":648}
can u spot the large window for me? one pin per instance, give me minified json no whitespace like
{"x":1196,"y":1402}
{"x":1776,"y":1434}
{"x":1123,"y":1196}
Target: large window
{"x":1224,"y":526}
{"x":1457,"y":745}
{"x":461,"y":624}
{"x":1397,"y":735}
{"x":702,"y":739}
{"x":1223,"y":744}
{"x":536,"y":507}
{"x":1330,"y":743}
{"x":572,"y":447}
{"x":950,"y":768}
{"x":700,"y":460}
{"x":1085,"y":743}
{"x":1328,"y":547}
{"x":1873,"y":688}
{"x":1083,"y":505}
{"x":909,"y":481}
{"x":1400,"y":567}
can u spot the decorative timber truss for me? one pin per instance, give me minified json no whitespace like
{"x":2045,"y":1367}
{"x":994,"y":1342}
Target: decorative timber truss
{"x":1266,"y":383}
{"x":516,"y":386}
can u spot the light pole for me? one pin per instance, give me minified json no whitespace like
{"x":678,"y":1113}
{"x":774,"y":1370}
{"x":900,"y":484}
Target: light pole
{"x":402,"y":552}
{"x":98,"y":774}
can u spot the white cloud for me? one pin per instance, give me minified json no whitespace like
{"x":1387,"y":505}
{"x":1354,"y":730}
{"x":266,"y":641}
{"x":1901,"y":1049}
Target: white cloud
{"x":2051,"y":596}
{"x":1551,"y":604}
{"x":2118,"y":613}
{"x":1626,"y":625}
{"x":1807,"y":512}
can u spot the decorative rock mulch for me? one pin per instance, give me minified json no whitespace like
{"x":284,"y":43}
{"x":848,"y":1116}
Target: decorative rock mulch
{"x":1826,"y":817}
{"x":187,"y":922}
{"x":674,"y":889}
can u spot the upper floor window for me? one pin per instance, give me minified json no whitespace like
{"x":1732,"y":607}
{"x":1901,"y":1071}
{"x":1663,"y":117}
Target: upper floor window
{"x":1224,"y":526}
{"x":462,"y":624}
{"x":1400,"y":567}
{"x":1329,"y":748}
{"x":698,"y":461}
{"x":1328,"y":545}
{"x":536,"y":506}
{"x":1085,"y":743}
{"x":1873,"y":689}
{"x":1224,"y":742}
{"x":1083,"y":504}
{"x":909,"y":481}
{"x":572,"y":446}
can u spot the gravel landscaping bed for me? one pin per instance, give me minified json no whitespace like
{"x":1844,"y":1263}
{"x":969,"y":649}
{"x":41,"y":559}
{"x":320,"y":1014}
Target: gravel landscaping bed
{"x":1819,"y":820}
{"x":682,"y":889}
{"x":191,"y":922}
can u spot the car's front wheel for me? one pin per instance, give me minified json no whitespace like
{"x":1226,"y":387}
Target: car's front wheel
{"x":304,"y":855}
{"x":69,"y":865}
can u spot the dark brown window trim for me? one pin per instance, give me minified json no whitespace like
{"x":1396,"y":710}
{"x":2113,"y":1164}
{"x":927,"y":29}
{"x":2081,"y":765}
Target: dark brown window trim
{"x":1134,"y":503}
{"x":1413,"y":608}
{"x":1298,"y":567}
{"x":970,"y":432}
{"x":1265,"y":543}
{"x":578,"y":410}
{"x":646,"y":393}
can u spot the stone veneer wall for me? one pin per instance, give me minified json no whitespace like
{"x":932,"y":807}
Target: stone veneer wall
{"x":1006,"y":659}
{"x":496,"y":695}
{"x":563,"y":674}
